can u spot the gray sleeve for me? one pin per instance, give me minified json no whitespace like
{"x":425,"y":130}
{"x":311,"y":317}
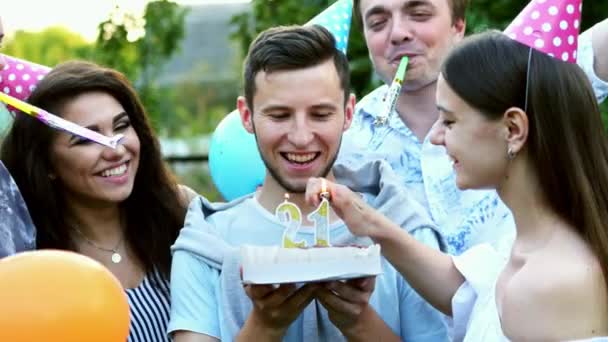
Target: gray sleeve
{"x":194,"y":305}
{"x":17,"y":231}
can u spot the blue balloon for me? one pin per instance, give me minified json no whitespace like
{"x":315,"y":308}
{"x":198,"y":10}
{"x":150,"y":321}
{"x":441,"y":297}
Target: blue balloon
{"x":234,"y":160}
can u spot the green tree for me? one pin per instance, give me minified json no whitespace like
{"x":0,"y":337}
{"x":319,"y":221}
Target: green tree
{"x":140,"y":46}
{"x":48,"y":47}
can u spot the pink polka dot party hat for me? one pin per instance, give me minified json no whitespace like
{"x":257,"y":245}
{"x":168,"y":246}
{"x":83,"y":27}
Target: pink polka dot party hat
{"x":19,"y":77}
{"x":550,"y":26}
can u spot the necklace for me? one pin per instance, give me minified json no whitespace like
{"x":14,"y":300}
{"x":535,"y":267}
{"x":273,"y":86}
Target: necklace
{"x":116,"y":257}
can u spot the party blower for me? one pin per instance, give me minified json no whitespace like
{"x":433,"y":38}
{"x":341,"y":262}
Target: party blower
{"x":390,"y":99}
{"x":59,"y":123}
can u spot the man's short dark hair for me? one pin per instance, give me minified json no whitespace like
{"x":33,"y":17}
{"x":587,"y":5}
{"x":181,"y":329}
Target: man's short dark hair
{"x":290,"y":48}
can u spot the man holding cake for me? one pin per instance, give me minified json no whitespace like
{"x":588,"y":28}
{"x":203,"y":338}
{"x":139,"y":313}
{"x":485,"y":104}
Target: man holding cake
{"x":297,"y":103}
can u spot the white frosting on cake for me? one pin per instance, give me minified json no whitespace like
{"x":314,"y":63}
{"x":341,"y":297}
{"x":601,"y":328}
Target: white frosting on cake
{"x":274,"y":265}
{"x":273,"y":255}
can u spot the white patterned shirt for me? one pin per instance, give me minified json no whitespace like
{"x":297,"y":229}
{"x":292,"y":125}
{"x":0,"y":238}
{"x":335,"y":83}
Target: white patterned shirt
{"x":465,"y":218}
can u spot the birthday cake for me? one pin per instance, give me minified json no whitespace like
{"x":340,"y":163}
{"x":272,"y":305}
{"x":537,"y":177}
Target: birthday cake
{"x":277,"y":265}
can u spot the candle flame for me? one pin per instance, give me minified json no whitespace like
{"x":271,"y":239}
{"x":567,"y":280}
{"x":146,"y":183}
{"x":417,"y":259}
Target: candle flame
{"x":286,"y":196}
{"x":324,"y":195}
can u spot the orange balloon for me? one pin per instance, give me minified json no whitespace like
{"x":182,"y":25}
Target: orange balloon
{"x":60,"y":296}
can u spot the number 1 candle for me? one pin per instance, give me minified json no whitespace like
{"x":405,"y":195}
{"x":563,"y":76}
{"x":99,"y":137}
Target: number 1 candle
{"x":320,"y":217}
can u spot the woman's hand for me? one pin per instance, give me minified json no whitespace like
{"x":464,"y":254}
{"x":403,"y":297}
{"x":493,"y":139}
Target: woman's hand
{"x":359,"y":217}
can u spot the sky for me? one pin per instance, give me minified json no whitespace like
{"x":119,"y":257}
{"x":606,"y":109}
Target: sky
{"x":80,"y":16}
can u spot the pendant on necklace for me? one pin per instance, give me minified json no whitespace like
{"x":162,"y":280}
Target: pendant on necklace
{"x":116,"y":258}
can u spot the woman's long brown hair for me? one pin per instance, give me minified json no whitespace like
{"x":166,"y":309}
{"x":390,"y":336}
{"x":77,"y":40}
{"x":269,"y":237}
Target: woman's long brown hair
{"x":567,"y":142}
{"x":153,"y":212}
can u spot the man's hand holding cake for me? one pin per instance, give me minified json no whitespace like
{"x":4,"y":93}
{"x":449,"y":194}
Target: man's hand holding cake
{"x":275,"y":308}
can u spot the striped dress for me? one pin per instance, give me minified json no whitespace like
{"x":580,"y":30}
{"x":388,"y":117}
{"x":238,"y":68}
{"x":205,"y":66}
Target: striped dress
{"x":150,"y":307}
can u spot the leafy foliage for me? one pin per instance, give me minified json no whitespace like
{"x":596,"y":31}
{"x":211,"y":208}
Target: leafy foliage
{"x":48,"y":47}
{"x":139,"y":47}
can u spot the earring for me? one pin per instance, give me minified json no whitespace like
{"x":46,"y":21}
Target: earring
{"x":511,"y":154}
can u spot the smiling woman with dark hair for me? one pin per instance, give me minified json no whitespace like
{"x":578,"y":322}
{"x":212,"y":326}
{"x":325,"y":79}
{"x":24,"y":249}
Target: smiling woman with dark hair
{"x":527,"y":125}
{"x":121,"y":207}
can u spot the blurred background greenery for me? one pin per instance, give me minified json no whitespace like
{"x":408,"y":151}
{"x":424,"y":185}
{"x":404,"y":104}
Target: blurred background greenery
{"x":185,"y":61}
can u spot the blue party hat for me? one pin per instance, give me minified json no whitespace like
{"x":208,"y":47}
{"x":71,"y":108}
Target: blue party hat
{"x":336,"y":19}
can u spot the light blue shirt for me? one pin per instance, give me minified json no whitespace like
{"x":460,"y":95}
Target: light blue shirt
{"x":17,"y":232}
{"x":465,"y":218}
{"x":6,"y":119}
{"x":209,"y":301}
